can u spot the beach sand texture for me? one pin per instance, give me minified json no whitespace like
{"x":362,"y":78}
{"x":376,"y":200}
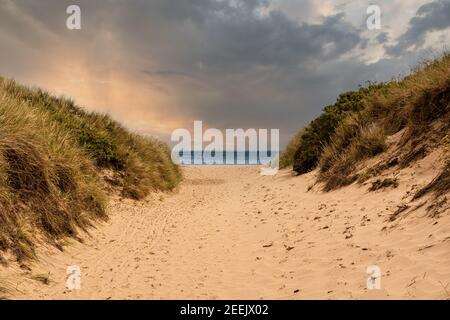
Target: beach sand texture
{"x":230,"y":233}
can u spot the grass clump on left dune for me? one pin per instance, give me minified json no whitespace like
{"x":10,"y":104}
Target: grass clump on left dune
{"x":52,"y":154}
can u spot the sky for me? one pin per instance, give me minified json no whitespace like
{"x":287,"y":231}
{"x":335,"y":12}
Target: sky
{"x":158,"y":65}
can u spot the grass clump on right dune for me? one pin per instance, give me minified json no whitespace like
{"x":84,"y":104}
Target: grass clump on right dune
{"x":441,"y":183}
{"x":304,"y":150}
{"x":418,"y":105}
{"x":359,"y":142}
{"x":446,"y":146}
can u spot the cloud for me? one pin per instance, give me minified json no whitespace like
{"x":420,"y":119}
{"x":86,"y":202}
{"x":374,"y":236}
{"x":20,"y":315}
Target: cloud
{"x":274,"y":40}
{"x":430,"y":17}
{"x":382,"y":37}
{"x":156,"y":64}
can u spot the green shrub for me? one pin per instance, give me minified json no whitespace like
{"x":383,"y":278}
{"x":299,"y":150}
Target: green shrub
{"x":287,"y":156}
{"x":418,"y":103}
{"x":310,"y":142}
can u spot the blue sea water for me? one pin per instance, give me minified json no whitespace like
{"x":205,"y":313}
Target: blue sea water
{"x":226,"y":157}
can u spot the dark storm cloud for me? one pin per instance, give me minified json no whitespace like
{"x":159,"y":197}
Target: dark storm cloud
{"x":220,"y":34}
{"x":260,"y":68}
{"x":247,"y":40}
{"x":429,"y":17}
{"x":383,"y":37}
{"x":228,"y":63}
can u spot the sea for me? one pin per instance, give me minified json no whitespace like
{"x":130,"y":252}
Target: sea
{"x":226,"y":157}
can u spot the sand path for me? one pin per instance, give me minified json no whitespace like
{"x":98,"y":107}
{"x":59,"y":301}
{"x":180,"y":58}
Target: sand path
{"x":231,"y":233}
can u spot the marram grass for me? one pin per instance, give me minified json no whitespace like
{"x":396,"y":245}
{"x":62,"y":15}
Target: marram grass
{"x":52,"y":154}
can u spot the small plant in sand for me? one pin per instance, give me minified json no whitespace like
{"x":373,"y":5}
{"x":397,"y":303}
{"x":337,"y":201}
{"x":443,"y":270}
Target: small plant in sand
{"x":43,"y":278}
{"x":446,"y":145}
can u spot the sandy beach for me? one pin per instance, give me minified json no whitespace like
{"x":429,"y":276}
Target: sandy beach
{"x":229,"y":233}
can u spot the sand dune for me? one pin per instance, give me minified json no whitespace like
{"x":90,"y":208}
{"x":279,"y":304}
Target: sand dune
{"x":229,"y":233}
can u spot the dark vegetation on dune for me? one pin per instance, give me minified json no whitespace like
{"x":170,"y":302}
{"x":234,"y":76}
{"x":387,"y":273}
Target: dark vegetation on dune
{"x":304,"y":151}
{"x":355,"y":128}
{"x":53,"y":157}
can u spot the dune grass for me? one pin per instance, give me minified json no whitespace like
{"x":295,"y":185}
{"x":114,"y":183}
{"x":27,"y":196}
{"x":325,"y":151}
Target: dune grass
{"x":446,"y":146}
{"x":418,"y":104}
{"x":287,"y":156}
{"x":359,"y":142}
{"x":441,"y":183}
{"x":304,"y":150}
{"x":52,"y":154}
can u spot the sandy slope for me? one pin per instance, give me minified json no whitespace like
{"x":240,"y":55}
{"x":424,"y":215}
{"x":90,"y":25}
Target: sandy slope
{"x":231,"y":233}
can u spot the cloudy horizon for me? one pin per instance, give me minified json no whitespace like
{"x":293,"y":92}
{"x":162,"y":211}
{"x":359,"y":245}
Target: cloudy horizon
{"x":158,"y":65}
